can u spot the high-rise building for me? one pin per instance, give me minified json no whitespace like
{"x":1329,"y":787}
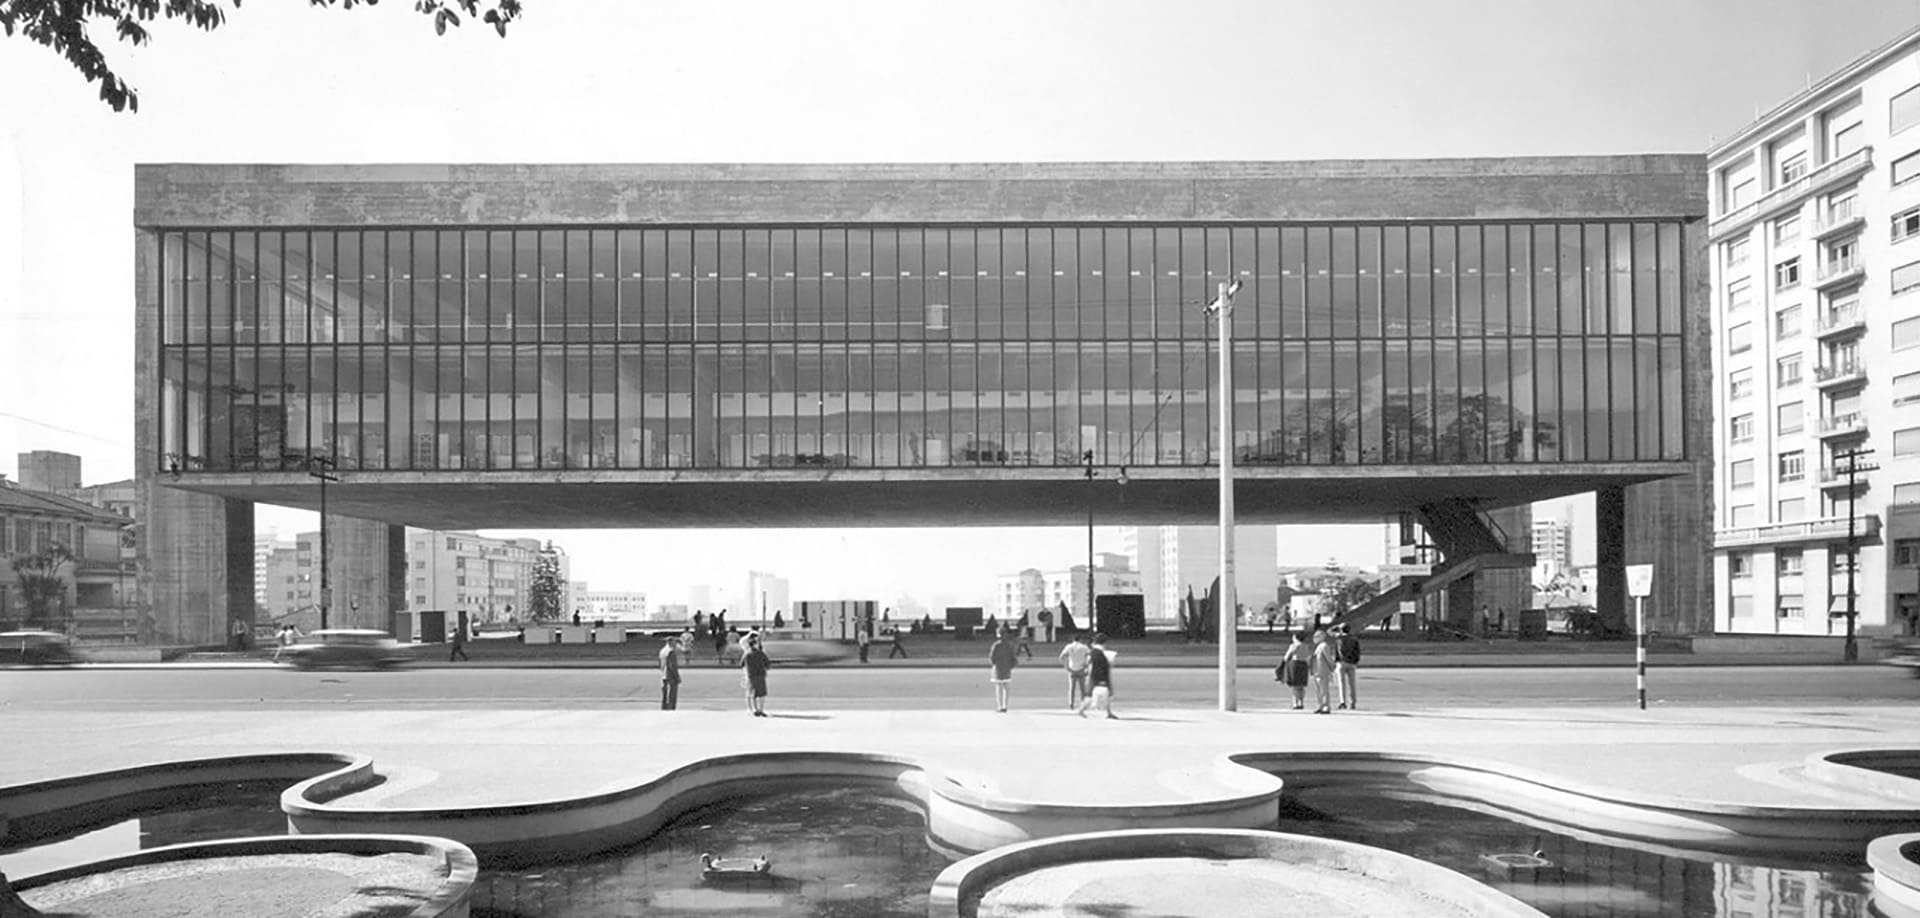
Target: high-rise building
{"x":48,"y":470}
{"x":1188,"y":557}
{"x":1814,"y":237}
{"x":1015,"y":593}
{"x":766,"y":594}
{"x":1552,"y":548}
{"x":491,"y":579}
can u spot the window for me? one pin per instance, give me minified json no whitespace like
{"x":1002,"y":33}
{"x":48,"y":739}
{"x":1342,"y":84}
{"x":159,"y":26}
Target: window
{"x":1793,"y":465}
{"x":1789,"y":562}
{"x":1841,"y":255}
{"x":1840,"y":560}
{"x":1740,"y":564}
{"x":1790,"y":510}
{"x":1848,"y":139}
{"x":1906,"y":389}
{"x":1908,"y":493}
{"x":1790,"y":418}
{"x":451,"y":545}
{"x":1740,"y":515}
{"x":1906,"y":334}
{"x":1903,"y":111}
{"x":1739,"y":295}
{"x":1786,"y":371}
{"x":1740,"y":473}
{"x":1737,"y":249}
{"x":1906,"y":552}
{"x":1742,"y":428}
{"x":1793,"y":167}
{"x":1786,"y":274}
{"x":1740,"y":338}
{"x":1792,"y":607}
{"x":1842,"y":205}
{"x":1786,"y":322}
{"x":1786,"y":229}
{"x":1906,"y":224}
{"x":1740,"y":383}
{"x":1906,"y":442}
{"x":1906,"y":167}
{"x":419,"y":565}
{"x":1740,"y":194}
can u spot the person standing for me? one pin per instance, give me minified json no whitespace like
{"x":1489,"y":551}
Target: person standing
{"x":1347,"y":666}
{"x":670,"y":675}
{"x":1076,"y":658}
{"x":459,"y":645}
{"x":1293,"y":668}
{"x":864,"y":639}
{"x":1003,"y":657}
{"x":754,"y":665}
{"x":1320,"y":670}
{"x":1099,"y":679}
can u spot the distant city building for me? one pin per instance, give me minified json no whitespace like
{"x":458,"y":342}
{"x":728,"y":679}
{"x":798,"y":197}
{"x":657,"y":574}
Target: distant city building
{"x":1113,"y":575}
{"x":47,"y":470}
{"x":1552,"y":548}
{"x":1174,"y":559}
{"x":491,"y":579}
{"x":673,"y":612}
{"x":610,"y":605}
{"x":98,"y":601}
{"x":766,"y":594}
{"x":1814,"y":236}
{"x":1014,"y":593}
{"x":113,"y":496}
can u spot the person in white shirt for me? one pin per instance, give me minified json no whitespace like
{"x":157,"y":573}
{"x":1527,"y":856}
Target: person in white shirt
{"x":1077,"y":657}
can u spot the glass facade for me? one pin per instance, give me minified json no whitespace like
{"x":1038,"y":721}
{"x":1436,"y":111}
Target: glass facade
{"x":917,"y":346}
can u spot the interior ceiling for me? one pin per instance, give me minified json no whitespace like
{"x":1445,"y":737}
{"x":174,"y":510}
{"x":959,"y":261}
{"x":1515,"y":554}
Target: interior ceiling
{"x":917,"y":498}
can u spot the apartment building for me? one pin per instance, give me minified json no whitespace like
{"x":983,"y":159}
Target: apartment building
{"x":1814,"y":251}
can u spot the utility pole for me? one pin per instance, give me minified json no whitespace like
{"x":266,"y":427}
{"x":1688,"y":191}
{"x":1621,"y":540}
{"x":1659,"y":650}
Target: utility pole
{"x":1087,"y":457}
{"x":1222,"y":311}
{"x":1854,"y":466}
{"x":321,"y":467}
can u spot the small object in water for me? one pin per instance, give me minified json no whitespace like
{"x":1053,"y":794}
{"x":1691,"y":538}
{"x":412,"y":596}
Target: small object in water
{"x":1518,"y":866}
{"x":733,"y":868}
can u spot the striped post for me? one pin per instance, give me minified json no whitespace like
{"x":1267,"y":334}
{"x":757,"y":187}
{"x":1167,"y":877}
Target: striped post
{"x":1640,"y":650}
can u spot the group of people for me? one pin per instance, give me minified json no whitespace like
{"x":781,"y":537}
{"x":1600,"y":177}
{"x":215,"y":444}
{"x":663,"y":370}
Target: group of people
{"x":753,"y":671}
{"x":1329,"y":660}
{"x":1089,"y":666}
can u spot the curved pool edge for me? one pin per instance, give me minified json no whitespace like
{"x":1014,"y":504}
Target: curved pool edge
{"x":451,"y":898}
{"x":1895,"y":860}
{"x":963,"y":882}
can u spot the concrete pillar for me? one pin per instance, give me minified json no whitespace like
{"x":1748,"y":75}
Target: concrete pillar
{"x":363,"y":571}
{"x":1610,"y":558}
{"x":1462,"y":610}
{"x":242,"y":604}
{"x":706,"y":411}
{"x":397,"y":570}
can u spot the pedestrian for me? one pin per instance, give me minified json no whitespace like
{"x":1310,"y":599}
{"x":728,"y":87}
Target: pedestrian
{"x":1025,"y":635}
{"x":1293,"y":668}
{"x":282,"y":641}
{"x":1075,"y":657}
{"x":719,"y":643}
{"x":670,"y":674}
{"x":458,"y":645}
{"x":1347,"y":666}
{"x":753,"y":665}
{"x":899,"y":646}
{"x":1099,"y":679}
{"x":1003,"y":658}
{"x":863,"y":638}
{"x":1320,"y":670}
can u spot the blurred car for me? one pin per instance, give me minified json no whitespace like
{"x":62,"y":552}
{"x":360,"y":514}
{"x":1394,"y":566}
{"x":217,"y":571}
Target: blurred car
{"x":38,"y":648}
{"x":1904,"y":652}
{"x":786,"y":647}
{"x":347,"y":647}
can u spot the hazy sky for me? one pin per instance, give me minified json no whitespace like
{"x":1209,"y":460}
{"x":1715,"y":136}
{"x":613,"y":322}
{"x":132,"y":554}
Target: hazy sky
{"x":780,"y":81}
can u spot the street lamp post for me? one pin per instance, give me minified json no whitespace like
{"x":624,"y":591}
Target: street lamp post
{"x":1222,"y":310}
{"x":321,"y":467}
{"x":1853,"y":468}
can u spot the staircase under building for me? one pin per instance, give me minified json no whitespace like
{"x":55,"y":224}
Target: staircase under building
{"x":1468,"y":543}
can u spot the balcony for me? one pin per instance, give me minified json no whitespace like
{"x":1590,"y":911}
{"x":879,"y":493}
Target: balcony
{"x":1840,"y":374}
{"x":1827,"y":529}
{"x":1792,"y":193}
{"x":1831,"y":477}
{"x":1840,"y":218}
{"x":1844,"y":425}
{"x":1841,"y":320}
{"x":1840,"y":271}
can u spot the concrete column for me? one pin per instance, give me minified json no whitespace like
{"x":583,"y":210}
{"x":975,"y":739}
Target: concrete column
{"x":1610,"y":557}
{"x":242,"y":604}
{"x":397,"y":569}
{"x":1462,"y":609}
{"x":363,"y":572}
{"x":706,"y":411}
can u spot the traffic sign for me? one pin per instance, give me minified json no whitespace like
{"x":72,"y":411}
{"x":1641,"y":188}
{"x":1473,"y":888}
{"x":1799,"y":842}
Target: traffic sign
{"x":1640,"y":580}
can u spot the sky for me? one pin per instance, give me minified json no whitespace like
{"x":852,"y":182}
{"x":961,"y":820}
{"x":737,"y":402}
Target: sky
{"x":837,"y":81}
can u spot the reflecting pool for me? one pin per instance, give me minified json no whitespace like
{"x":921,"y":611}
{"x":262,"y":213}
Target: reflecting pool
{"x":190,"y":814}
{"x":1589,"y":878}
{"x":835,"y":853}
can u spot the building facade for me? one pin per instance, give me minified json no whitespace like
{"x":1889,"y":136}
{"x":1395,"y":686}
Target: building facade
{"x":766,"y":594}
{"x":1015,"y":593}
{"x":1815,"y":264}
{"x":49,"y":470}
{"x":1176,"y":559}
{"x":1552,"y":548}
{"x":610,"y":605}
{"x":904,"y":345}
{"x":490,"y":579}
{"x":98,"y":599}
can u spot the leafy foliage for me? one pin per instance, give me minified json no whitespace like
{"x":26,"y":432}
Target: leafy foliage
{"x":62,"y":26}
{"x":42,"y":582}
{"x":543,"y":595}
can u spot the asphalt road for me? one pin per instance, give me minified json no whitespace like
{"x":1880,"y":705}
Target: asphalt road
{"x":852,"y":688}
